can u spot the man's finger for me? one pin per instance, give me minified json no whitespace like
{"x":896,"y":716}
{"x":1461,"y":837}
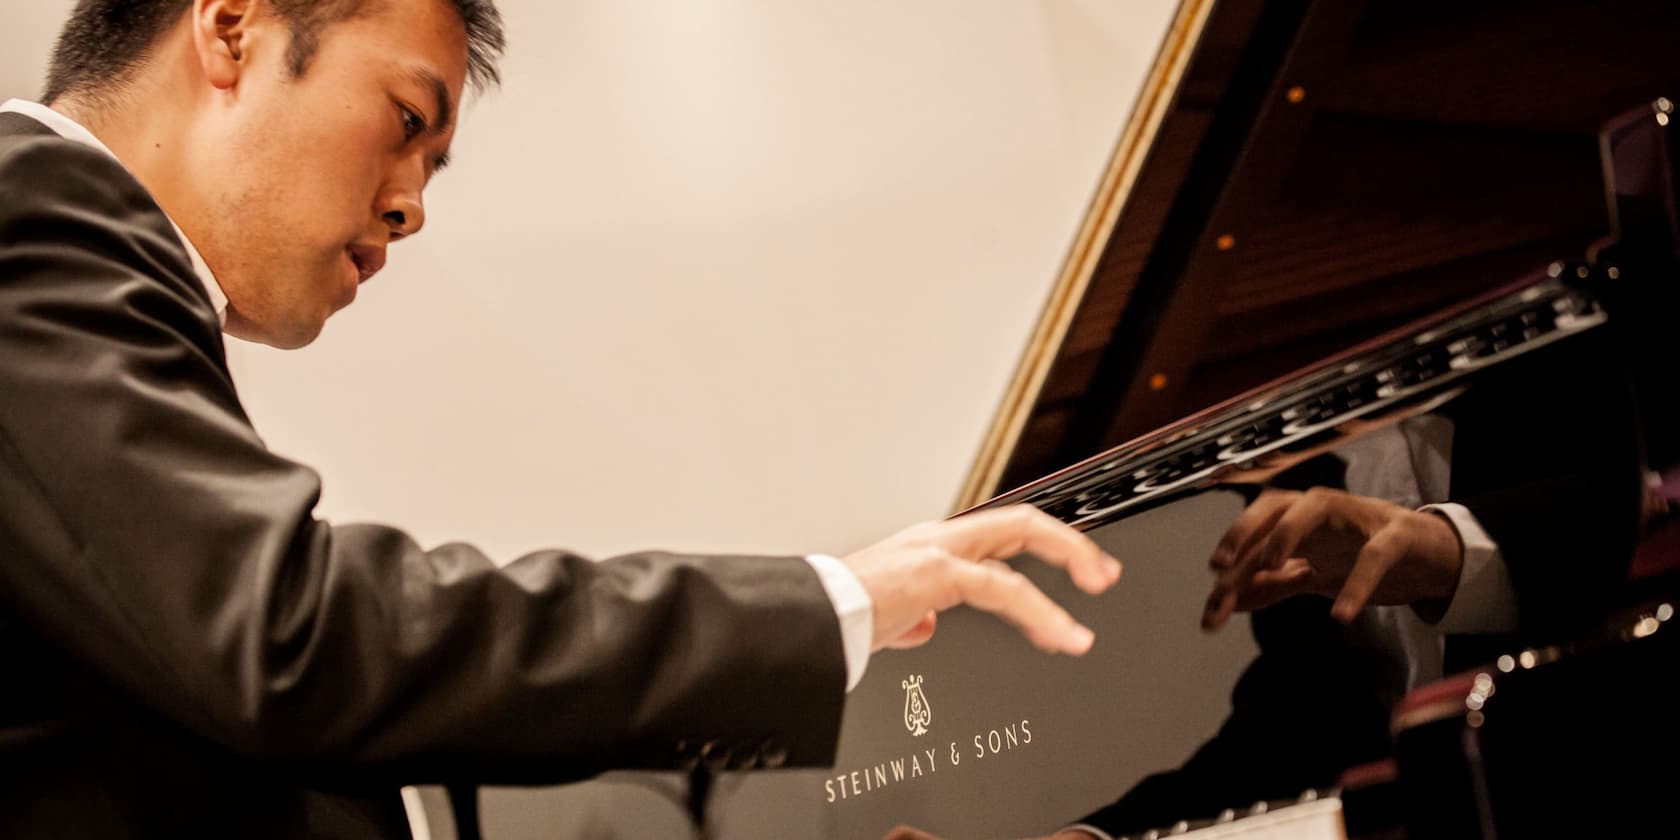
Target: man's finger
{"x":1010,"y":596}
{"x":1271,"y":509}
{"x":919,"y":634}
{"x":1261,"y":517}
{"x":1269,"y":586}
{"x":1221,"y":603}
{"x":1305,"y":513}
{"x":1005,"y":532}
{"x":1375,"y":559}
{"x":905,"y":832}
{"x":1302,"y":518}
{"x":1252,"y":522}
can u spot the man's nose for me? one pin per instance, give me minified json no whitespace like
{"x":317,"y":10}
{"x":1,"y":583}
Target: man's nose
{"x":405,"y":216}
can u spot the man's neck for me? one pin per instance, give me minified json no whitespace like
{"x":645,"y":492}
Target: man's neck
{"x":149,"y":119}
{"x":147,"y":139}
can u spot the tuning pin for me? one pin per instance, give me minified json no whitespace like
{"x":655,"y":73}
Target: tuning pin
{"x":1227,"y":815}
{"x":1258,"y":808}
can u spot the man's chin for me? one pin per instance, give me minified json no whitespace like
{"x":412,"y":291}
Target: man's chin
{"x":289,"y":336}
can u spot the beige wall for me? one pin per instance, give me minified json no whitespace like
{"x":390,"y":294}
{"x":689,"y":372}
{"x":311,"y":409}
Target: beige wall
{"x":736,"y":275}
{"x":740,"y":275}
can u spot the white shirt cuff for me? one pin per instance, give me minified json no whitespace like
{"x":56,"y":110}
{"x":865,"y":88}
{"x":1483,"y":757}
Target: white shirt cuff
{"x":1485,"y":601}
{"x":854,"y":608}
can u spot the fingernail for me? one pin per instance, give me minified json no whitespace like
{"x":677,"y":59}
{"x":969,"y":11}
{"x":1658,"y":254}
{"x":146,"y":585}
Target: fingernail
{"x":1112,"y":566}
{"x":1081,"y":638}
{"x":1213,"y":615}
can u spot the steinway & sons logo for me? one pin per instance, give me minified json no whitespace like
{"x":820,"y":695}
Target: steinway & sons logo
{"x":918,"y":715}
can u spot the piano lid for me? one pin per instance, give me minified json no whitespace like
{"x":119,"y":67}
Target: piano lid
{"x":1299,"y":176}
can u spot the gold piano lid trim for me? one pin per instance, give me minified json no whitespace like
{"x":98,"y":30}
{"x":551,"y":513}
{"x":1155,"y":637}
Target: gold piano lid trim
{"x":1069,"y":289}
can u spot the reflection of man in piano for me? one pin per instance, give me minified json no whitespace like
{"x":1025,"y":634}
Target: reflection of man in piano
{"x":1504,"y":518}
{"x":1533,"y":545}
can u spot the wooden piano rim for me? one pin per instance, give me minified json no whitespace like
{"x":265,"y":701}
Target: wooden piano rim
{"x":1068,"y":292}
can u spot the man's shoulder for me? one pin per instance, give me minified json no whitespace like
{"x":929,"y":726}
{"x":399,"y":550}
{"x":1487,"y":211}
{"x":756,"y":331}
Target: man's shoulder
{"x":36,"y":164}
{"x":44,"y":175}
{"x":19,"y":126}
{"x":80,"y":209}
{"x":27,"y":145}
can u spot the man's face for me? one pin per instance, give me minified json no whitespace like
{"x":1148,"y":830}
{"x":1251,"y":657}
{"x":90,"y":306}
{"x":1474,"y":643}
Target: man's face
{"x":306,"y":180}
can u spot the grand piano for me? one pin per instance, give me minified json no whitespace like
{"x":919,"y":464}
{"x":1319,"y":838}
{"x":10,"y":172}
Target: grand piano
{"x":1324,"y":218}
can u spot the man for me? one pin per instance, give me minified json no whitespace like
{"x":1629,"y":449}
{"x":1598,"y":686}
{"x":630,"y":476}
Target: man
{"x":188,"y":651}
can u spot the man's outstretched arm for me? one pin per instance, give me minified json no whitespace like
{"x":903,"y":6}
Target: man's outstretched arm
{"x":151,"y":536}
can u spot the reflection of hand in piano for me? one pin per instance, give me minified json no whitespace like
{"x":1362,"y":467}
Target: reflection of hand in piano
{"x":1356,"y":549}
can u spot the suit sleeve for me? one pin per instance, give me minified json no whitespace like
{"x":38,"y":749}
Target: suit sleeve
{"x":1547,"y":459}
{"x":147,"y":532}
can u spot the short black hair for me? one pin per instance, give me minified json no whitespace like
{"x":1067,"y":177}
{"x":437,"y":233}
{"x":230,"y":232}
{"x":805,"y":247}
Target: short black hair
{"x":105,"y":41}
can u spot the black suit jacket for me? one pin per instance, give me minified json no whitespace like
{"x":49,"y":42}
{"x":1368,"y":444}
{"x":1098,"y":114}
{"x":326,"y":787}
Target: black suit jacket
{"x":187,"y":651}
{"x":1545,"y":455}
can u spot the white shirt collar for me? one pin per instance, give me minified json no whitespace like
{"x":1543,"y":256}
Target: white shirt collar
{"x":69,"y":129}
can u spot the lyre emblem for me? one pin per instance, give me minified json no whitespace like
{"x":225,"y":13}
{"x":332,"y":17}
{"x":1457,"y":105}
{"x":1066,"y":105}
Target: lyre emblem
{"x":917,"y":714}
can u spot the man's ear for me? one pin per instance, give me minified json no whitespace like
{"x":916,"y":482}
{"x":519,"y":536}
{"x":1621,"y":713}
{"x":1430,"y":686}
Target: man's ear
{"x":221,"y":35}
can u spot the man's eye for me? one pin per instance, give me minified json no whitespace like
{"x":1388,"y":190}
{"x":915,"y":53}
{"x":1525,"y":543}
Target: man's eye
{"x":412,"y":124}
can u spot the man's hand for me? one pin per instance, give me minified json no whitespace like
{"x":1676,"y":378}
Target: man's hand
{"x":1356,"y":549}
{"x":937,"y":565}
